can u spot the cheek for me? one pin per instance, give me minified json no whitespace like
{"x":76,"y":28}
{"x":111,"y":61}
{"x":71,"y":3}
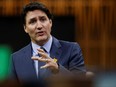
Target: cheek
{"x":49,"y":27}
{"x":30,"y":29}
{"x":30,"y":32}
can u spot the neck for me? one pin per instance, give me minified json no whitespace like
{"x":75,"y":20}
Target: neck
{"x":42,"y":42}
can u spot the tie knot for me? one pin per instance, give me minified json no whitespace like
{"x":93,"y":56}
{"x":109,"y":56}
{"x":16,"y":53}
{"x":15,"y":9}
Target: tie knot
{"x":43,"y":48}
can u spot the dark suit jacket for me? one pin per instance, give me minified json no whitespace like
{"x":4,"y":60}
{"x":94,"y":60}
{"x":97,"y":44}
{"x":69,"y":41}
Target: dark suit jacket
{"x":69,"y":57}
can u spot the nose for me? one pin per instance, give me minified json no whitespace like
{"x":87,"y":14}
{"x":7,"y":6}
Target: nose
{"x":39,"y":25}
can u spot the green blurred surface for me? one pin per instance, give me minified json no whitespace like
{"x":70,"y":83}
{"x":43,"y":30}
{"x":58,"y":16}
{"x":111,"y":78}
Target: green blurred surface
{"x":5,"y":52}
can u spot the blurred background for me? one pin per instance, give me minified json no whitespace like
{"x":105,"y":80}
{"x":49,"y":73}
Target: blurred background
{"x":91,"y":23}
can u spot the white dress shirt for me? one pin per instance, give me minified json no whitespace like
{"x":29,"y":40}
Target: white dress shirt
{"x":46,"y":46}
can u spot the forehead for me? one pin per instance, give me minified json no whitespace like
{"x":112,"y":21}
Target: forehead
{"x":35,"y":13}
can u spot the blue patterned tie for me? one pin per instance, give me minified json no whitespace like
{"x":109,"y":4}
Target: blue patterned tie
{"x":43,"y":48}
{"x":41,"y":72}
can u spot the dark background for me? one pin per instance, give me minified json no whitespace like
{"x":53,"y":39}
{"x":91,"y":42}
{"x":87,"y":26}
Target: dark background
{"x":12,"y":32}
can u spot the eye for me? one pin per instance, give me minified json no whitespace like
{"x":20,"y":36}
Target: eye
{"x":42,"y":19}
{"x":32,"y":21}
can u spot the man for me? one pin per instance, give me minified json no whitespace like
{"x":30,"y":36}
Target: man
{"x":45,"y":55}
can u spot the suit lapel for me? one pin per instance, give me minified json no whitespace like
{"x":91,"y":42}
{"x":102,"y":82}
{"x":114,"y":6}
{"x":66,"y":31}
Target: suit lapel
{"x":55,"y":51}
{"x":29,"y":63}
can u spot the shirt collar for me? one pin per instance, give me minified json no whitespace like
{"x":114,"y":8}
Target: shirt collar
{"x":47,"y":46}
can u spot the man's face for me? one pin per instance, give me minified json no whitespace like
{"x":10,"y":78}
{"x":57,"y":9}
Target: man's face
{"x":38,"y":26}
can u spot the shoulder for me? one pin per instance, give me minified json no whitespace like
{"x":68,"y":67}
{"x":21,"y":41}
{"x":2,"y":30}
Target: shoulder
{"x":22,"y":50}
{"x":69,"y":44}
{"x":63,"y":43}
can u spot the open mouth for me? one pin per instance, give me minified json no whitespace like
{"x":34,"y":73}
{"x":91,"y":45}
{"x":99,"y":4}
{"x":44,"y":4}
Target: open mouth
{"x":41,"y":33}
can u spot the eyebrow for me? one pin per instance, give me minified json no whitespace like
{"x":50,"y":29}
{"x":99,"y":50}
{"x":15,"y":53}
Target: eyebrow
{"x":34,"y":18}
{"x":31,"y":19}
{"x":42,"y":16}
{"x":39,"y":17}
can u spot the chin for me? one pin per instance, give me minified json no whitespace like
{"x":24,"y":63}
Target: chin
{"x":44,"y":38}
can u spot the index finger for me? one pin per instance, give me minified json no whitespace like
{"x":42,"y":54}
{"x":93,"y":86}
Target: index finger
{"x":41,"y":50}
{"x":35,"y":57}
{"x":44,"y":55}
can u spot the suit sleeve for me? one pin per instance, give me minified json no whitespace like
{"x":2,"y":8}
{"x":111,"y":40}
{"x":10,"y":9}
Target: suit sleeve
{"x":76,"y":61}
{"x":12,"y":73}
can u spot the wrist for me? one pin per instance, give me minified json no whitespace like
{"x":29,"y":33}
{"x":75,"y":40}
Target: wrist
{"x":56,"y":70}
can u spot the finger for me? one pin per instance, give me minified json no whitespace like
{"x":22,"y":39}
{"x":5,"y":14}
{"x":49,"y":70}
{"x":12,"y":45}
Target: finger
{"x":45,"y":66}
{"x":41,"y":50}
{"x":43,"y":60}
{"x":35,"y":57}
{"x":44,"y":55}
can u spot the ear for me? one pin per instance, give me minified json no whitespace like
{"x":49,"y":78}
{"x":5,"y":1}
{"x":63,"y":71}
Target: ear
{"x":25,"y":29}
{"x":51,"y":22}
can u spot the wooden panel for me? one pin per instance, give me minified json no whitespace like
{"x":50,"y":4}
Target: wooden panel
{"x":97,"y":34}
{"x":95,"y":26}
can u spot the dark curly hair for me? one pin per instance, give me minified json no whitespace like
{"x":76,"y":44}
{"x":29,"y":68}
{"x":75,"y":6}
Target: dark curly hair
{"x":35,"y":6}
